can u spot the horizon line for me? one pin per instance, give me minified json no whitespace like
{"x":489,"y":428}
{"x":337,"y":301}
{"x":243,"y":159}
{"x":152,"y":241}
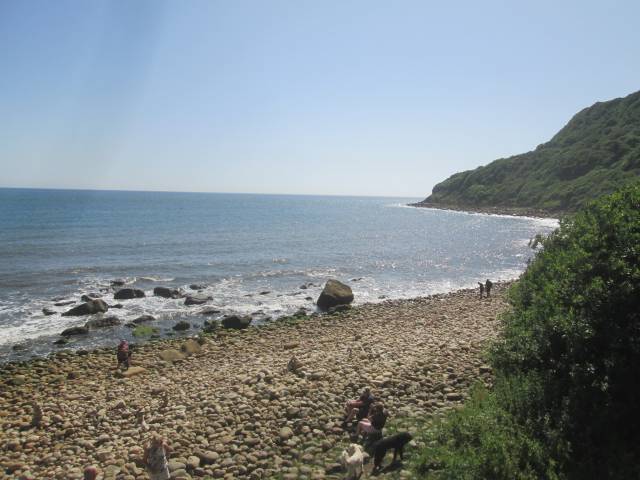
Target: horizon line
{"x":208,"y":192}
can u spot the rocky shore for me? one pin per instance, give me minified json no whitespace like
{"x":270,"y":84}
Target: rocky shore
{"x":227,"y":403}
{"x":511,"y":211}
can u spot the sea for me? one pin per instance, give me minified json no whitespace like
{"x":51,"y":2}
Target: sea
{"x":263,"y":255}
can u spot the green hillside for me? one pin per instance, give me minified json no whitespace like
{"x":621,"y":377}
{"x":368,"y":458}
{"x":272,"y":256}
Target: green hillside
{"x":595,"y":153}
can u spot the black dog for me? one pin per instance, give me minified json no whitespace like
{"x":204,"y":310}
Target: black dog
{"x":397,"y":442}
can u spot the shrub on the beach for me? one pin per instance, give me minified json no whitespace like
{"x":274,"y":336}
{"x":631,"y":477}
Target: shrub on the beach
{"x":566,"y":375}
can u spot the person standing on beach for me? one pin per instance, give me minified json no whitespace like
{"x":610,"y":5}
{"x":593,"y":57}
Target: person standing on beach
{"x":124,"y":354}
{"x":481,"y":288}
{"x":90,"y":473}
{"x":488,"y":284}
{"x":155,"y":458}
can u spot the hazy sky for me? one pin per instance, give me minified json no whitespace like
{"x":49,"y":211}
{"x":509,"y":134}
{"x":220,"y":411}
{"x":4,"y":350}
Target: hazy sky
{"x":324,"y":97}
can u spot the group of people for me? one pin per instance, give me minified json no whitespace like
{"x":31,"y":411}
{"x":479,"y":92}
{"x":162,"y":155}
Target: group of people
{"x":485,"y":287}
{"x":370,"y":413}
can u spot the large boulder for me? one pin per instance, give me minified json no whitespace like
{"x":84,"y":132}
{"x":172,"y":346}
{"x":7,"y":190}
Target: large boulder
{"x":167,"y":292}
{"x":181,"y":326}
{"x":237,"y":322}
{"x":88,"y":308}
{"x":334,"y":293}
{"x":128,"y":294}
{"x":103,"y":322}
{"x":196,"y":299}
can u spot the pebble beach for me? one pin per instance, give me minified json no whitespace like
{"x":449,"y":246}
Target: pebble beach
{"x":228,"y":405}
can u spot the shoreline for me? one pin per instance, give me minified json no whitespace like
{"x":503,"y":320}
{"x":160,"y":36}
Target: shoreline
{"x":231,"y":407}
{"x":505,"y":211}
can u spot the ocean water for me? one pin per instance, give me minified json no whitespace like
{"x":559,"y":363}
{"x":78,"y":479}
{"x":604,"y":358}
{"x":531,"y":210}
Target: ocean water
{"x":252,"y":252}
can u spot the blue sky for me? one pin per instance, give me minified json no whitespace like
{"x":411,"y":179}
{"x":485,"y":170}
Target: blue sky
{"x":345,"y":97}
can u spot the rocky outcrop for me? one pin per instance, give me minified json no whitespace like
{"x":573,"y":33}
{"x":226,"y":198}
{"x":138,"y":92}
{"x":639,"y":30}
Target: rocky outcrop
{"x":334,"y":293}
{"x":167,"y":292}
{"x":238,"y":322}
{"x":128,"y":294}
{"x":88,"y":308}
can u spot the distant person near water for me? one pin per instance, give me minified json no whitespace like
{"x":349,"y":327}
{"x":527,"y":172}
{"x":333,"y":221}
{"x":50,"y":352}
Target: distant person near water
{"x":481,"y":288}
{"x":90,"y":473}
{"x":488,"y":284}
{"x":124,"y":354}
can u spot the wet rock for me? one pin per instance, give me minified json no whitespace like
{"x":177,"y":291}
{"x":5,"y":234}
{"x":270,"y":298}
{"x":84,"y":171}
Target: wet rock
{"x":118,"y":282}
{"x":210,"y":326}
{"x":71,"y":331}
{"x":88,"y":308}
{"x":334,"y":293}
{"x":167,"y":292}
{"x":103,"y":322}
{"x":87,"y":297}
{"x":144,"y":319}
{"x":181,"y":326}
{"x":48,"y":311}
{"x":64,"y":303}
{"x":196,"y":299}
{"x":237,"y":322}
{"x":197,"y":286}
{"x":209,"y":311}
{"x":128,"y":294}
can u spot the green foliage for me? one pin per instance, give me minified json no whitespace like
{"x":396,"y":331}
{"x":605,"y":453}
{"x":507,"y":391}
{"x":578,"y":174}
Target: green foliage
{"x":597,"y":152}
{"x":482,"y":441}
{"x":144,"y":331}
{"x":567,"y":383}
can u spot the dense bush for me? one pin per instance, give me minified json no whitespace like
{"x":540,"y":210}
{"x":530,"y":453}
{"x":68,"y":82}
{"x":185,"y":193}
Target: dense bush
{"x":597,"y":152}
{"x":567,"y":378}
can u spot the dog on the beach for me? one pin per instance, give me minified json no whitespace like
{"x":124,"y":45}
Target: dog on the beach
{"x":397,"y":442}
{"x":352,"y":459}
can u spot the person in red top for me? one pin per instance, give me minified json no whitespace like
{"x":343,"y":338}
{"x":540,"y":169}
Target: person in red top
{"x":124,"y":354}
{"x":359,"y":406}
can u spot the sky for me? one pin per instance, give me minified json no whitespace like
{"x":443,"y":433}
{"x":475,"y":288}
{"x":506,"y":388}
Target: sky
{"x":299,"y":97}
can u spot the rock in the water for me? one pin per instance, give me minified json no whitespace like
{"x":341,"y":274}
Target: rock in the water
{"x":237,"y":322}
{"x":182,"y":325}
{"x":88,"y":308}
{"x":64,"y":303}
{"x":210,"y":326}
{"x":103,"y":322}
{"x":144,"y":319}
{"x":74,"y":331}
{"x":334,"y":293}
{"x":209,"y":311}
{"x":118,"y":282}
{"x":196,"y":299}
{"x":90,"y":296}
{"x":167,"y":292}
{"x":197,"y":286}
{"x":47,"y":311}
{"x":128,"y":294}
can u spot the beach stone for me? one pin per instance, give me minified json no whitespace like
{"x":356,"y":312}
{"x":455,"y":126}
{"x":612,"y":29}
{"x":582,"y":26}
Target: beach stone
{"x":334,"y":293}
{"x":104,"y":322}
{"x":133,"y":371}
{"x":209,"y":311}
{"x":171,"y":355}
{"x":47,"y":311}
{"x":207,"y":457}
{"x":197,"y":286}
{"x":88,"y":308}
{"x":196,"y":299}
{"x":237,"y":322}
{"x":128,"y":294}
{"x":74,"y":331}
{"x":181,"y":326}
{"x":167,"y":292}
{"x":190,"y":347}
